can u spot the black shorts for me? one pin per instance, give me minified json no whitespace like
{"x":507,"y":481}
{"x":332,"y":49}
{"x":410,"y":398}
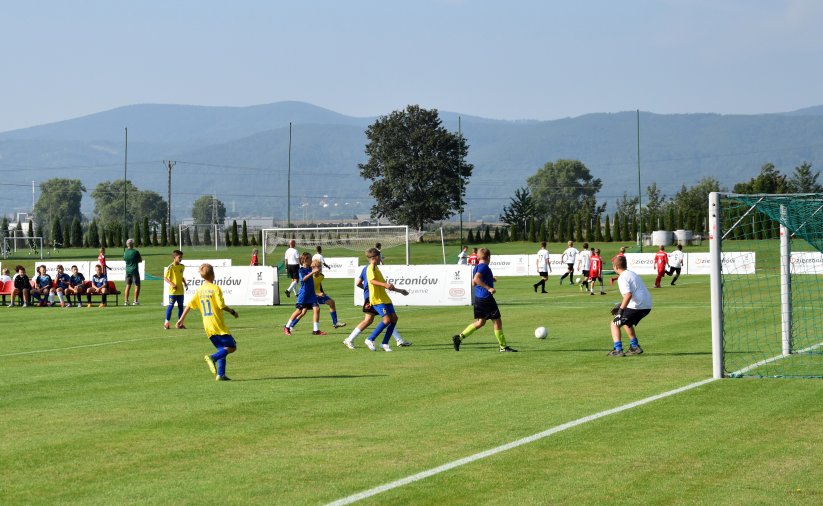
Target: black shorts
{"x":369,"y":309}
{"x":585,"y":274}
{"x":293,"y":271}
{"x":305,"y":305}
{"x":571,"y":267}
{"x":633,"y":316}
{"x":543,"y":274}
{"x":672,"y":270}
{"x":133,"y":278}
{"x":486,"y":309}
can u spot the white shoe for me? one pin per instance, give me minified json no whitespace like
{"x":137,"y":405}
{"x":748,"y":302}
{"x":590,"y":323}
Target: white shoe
{"x":11,"y":304}
{"x":386,"y":347}
{"x":370,"y":344}
{"x":25,"y":304}
{"x":349,"y":344}
{"x":402,"y":342}
{"x":339,"y":324}
{"x":79,"y":304}
{"x":135,"y":303}
{"x":126,"y":303}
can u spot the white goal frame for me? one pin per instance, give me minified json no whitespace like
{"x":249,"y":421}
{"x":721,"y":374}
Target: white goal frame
{"x":7,"y":250}
{"x":293,"y":231}
{"x":215,"y":234}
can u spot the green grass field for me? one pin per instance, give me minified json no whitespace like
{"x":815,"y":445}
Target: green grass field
{"x":102,"y":406}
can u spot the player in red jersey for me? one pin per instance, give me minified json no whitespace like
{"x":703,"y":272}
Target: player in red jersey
{"x":661,"y":259}
{"x":596,"y":272}
{"x":620,"y":253}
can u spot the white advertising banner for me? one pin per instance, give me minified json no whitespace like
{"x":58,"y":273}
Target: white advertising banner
{"x":639,"y":263}
{"x":734,"y":262}
{"x":807,"y":262}
{"x":241,"y":285}
{"x":215,"y":262}
{"x":117,"y":268}
{"x":558,"y":268}
{"x":510,"y":265}
{"x":341,"y":267}
{"x":428,"y":285}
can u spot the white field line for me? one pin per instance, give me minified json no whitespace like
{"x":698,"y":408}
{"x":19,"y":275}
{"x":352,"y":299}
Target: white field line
{"x":508,"y":446}
{"x":107,"y":343}
{"x":775,"y":358}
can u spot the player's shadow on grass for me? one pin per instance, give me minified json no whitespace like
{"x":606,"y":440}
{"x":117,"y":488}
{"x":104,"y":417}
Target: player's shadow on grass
{"x":450,"y":346}
{"x":330,"y":376}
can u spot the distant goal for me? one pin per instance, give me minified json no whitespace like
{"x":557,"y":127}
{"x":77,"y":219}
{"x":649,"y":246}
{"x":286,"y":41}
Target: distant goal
{"x":202,"y":237}
{"x":354,"y":238}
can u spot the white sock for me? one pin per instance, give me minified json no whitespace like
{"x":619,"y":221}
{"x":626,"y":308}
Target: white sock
{"x":60,"y":296}
{"x":288,"y":324}
{"x":315,"y":326}
{"x":354,"y":333}
{"x":291,"y":286}
{"x":51,"y":298}
{"x":397,"y":336}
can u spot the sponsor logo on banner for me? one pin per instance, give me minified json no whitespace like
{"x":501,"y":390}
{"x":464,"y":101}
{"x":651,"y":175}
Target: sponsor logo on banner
{"x":734,"y":262}
{"x":510,"y":265}
{"x":341,"y":267}
{"x":241,"y":285}
{"x":428,"y":285}
{"x":807,"y":262}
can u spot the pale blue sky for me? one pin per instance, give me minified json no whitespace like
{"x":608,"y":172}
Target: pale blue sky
{"x":498,"y":59}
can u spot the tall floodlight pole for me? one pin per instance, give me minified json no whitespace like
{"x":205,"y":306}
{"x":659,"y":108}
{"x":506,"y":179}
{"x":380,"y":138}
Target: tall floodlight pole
{"x":125,"y":189}
{"x":459,"y":178}
{"x":288,"y":186}
{"x":639,"y":194}
{"x":170,"y":165}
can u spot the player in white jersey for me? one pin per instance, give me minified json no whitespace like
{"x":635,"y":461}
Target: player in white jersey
{"x":568,"y":258}
{"x":543,"y":267}
{"x":675,"y":263}
{"x":319,"y":257}
{"x":634,"y":306}
{"x":292,"y":260}
{"x":584,"y":261}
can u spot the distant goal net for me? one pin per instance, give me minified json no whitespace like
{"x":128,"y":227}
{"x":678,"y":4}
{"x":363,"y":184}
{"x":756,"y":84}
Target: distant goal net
{"x":202,"y":237}
{"x":766,"y":285}
{"x":353,"y":238}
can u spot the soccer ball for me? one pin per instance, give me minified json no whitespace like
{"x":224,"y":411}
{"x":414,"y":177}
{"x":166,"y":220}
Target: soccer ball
{"x":576,"y":281}
{"x":541,"y":332}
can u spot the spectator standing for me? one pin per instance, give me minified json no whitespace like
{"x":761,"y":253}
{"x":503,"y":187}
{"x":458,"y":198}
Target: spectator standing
{"x":133,"y":259}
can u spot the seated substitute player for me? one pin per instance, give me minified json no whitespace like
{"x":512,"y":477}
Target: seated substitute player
{"x":485,"y":307}
{"x":22,"y":287}
{"x":77,"y":286}
{"x":675,"y":263}
{"x":208,"y":299}
{"x":43,"y":290}
{"x":62,"y":282}
{"x":635,"y":305}
{"x":322,"y":296}
{"x":368,"y":315}
{"x":173,"y":277}
{"x":380,"y":300}
{"x":99,"y":286}
{"x":306,"y":297}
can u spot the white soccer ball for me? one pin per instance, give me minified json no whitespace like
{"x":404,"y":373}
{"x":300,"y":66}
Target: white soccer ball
{"x":576,"y":281}
{"x":541,"y":332}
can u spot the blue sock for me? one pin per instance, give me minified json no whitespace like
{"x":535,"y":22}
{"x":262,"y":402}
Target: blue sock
{"x":334,"y":317}
{"x":633,"y":342}
{"x":219,"y":354}
{"x":221,"y":367}
{"x":618,"y":346}
{"x":376,"y":332}
{"x":389,"y":331}
{"x":295,"y":322}
{"x":168,"y":311}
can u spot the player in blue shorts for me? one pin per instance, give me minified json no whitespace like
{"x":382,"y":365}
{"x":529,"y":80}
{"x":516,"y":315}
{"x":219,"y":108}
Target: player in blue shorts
{"x":42,"y":290}
{"x":208,"y":299}
{"x":380,"y":301}
{"x":485,"y":307}
{"x":62,"y":282}
{"x":368,"y":315}
{"x":99,"y":285}
{"x":77,"y":286}
{"x":306,"y":296}
{"x":322,"y":296}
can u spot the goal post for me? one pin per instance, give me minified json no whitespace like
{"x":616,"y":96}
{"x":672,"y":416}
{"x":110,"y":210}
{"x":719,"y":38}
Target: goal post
{"x":354,"y":238}
{"x":14,"y":245}
{"x":201,"y":237}
{"x":766,"y":266}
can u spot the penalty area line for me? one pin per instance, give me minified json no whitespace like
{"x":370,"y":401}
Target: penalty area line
{"x":107,"y":343}
{"x":514,"y":444}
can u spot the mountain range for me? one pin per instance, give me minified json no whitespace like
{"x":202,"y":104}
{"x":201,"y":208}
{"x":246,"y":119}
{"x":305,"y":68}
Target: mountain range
{"x":242,"y":155}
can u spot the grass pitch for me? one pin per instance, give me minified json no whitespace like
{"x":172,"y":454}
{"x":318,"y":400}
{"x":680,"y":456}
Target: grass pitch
{"x":102,"y":406}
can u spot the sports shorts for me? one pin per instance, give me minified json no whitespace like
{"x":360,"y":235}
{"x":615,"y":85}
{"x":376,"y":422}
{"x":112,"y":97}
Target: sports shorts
{"x":633,"y":316}
{"x":293,"y":271}
{"x":368,"y":308}
{"x":384,"y":309}
{"x":571,"y":267}
{"x":543,"y":274}
{"x":323,"y":299}
{"x":223,"y":341}
{"x":305,"y":305}
{"x":486,"y":309}
{"x":133,"y":278}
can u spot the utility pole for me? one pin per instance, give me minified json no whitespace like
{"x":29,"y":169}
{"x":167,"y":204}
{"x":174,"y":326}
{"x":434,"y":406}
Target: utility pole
{"x":170,"y":165}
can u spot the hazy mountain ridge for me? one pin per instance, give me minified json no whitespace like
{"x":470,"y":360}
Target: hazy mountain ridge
{"x":241,"y":153}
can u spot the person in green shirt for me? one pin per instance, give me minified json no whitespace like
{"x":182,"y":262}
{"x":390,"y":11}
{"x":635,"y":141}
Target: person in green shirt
{"x":133,"y":259}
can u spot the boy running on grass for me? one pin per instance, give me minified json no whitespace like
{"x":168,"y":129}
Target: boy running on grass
{"x":208,"y":299}
{"x":177,"y":285}
{"x":485,"y":307}
{"x":368,"y":315}
{"x":380,"y":300}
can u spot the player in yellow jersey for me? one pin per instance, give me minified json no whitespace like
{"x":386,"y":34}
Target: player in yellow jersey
{"x":173,"y":276}
{"x":208,"y":299}
{"x":380,"y":300}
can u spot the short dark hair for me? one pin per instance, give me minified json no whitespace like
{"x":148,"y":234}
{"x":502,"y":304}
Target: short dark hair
{"x":619,"y":262}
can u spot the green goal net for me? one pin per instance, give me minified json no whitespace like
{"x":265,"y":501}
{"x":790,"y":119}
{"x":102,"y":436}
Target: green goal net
{"x":767,"y":296}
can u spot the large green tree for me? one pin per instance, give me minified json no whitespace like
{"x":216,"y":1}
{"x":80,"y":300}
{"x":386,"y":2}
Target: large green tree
{"x":59,"y":202}
{"x":520,"y":210}
{"x":563,"y":187}
{"x":416,"y":167}
{"x":804,"y":181}
{"x":208,"y":209}
{"x":770,"y":180}
{"x":108,"y":203}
